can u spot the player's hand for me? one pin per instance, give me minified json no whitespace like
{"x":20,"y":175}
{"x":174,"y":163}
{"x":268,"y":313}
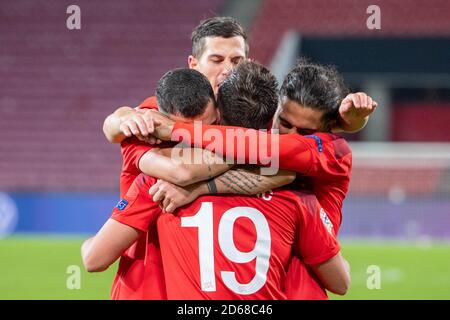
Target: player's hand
{"x":139,"y":123}
{"x":162,"y":125}
{"x":357,"y":105}
{"x":171,"y":196}
{"x":354,"y":110}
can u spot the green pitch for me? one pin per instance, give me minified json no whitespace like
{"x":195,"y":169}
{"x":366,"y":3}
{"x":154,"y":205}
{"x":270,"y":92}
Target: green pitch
{"x":36,"y":268}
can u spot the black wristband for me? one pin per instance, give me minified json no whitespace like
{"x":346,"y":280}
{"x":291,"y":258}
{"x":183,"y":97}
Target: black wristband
{"x":212,"y":186}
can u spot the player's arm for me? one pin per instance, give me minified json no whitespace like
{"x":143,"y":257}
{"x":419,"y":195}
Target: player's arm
{"x":126,"y":122}
{"x":111,"y":125}
{"x":354,"y":112}
{"x":318,"y":247}
{"x":292,"y":150}
{"x":239,"y":180}
{"x":130,"y":218}
{"x":102,"y":250}
{"x":182,"y":166}
{"x":248,"y":180}
{"x":289,"y":151}
{"x":334,"y":274}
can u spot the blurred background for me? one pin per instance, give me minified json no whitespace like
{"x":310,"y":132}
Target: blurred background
{"x":59,"y":176}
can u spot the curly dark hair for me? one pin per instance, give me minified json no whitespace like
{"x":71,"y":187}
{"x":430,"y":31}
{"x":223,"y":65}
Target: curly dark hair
{"x":315,"y":86}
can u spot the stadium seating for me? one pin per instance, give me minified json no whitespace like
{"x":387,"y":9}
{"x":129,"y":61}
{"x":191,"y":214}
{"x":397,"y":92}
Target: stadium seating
{"x":57,"y":85}
{"x":343,"y":18}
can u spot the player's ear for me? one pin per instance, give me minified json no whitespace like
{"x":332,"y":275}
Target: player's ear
{"x":192,"y":62}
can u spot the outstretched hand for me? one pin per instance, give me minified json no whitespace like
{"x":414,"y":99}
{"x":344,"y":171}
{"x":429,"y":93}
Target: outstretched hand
{"x":358,"y":103}
{"x":355,"y":109}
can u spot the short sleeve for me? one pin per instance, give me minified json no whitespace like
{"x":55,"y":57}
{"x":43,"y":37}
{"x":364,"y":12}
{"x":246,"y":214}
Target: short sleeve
{"x":331,"y":157}
{"x":137,"y":209}
{"x":315,"y":242}
{"x":132,"y":151}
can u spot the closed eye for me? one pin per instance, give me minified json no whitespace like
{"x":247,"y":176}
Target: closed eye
{"x":216,"y":59}
{"x":285,"y":124}
{"x":237,"y":60}
{"x":305,"y":132}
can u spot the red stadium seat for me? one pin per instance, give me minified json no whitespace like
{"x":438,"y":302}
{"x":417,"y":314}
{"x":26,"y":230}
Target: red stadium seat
{"x":58,"y":84}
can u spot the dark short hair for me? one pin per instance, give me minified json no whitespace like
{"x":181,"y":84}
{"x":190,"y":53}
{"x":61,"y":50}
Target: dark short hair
{"x":225,"y":27}
{"x":184,"y":92}
{"x":315,"y":86}
{"x":248,"y":97}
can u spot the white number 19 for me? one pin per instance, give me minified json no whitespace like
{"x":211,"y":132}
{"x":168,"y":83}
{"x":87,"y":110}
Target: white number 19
{"x":203,"y":220}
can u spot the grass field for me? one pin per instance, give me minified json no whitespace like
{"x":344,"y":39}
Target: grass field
{"x":36,"y":268}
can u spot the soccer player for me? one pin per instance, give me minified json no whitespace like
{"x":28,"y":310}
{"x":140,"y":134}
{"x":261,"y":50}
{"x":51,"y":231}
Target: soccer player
{"x":195,"y":101}
{"x":218,"y":45}
{"x":310,"y":100}
{"x":281,"y":218}
{"x":186,"y":95}
{"x":182,"y":95}
{"x":234,"y":247}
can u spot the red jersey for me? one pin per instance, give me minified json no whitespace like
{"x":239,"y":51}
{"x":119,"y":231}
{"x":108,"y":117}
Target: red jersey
{"x":132,"y":150}
{"x":324,"y":157}
{"x":230,"y":247}
{"x":323,"y":163}
{"x":144,"y":253}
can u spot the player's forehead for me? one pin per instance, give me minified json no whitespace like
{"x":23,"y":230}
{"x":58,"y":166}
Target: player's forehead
{"x":233,"y":47}
{"x":300,"y":116}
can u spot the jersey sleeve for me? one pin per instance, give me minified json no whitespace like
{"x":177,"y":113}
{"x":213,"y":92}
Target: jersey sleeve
{"x":290,"y":151}
{"x":331,"y":160}
{"x":132,"y":151}
{"x":149,"y":103}
{"x":132,"y":148}
{"x":315,"y":243}
{"x":313,"y":155}
{"x":137,"y":209}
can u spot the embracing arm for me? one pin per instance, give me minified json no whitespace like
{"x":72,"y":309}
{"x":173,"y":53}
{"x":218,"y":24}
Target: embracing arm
{"x":248,"y":180}
{"x":111,"y":125}
{"x":235,"y":181}
{"x":334,"y":274}
{"x":126,"y":122}
{"x":107,"y":245}
{"x":289,"y":151}
{"x":182,"y":166}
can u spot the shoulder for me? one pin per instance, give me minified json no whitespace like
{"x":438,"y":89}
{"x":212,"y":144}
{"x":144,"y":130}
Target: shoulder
{"x":149,"y":103}
{"x":307,"y":200}
{"x":303,"y":200}
{"x":133,"y":140}
{"x":335,"y":143}
{"x":141,"y":184}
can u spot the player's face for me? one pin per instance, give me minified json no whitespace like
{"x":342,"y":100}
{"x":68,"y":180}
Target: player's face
{"x":219,"y":57}
{"x":295,"y":118}
{"x":210,"y":116}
